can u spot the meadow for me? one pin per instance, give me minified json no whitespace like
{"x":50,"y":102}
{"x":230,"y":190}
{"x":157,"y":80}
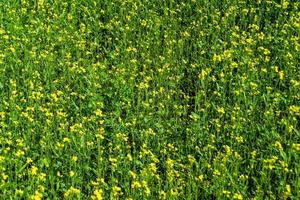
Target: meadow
{"x":149,"y":99}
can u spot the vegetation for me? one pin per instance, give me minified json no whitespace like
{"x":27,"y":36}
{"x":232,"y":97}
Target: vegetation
{"x":150,"y":99}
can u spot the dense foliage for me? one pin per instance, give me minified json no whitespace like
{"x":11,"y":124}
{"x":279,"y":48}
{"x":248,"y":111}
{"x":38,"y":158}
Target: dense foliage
{"x":149,"y":99}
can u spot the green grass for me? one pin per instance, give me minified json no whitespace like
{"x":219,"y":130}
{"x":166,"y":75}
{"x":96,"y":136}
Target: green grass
{"x":149,"y":99}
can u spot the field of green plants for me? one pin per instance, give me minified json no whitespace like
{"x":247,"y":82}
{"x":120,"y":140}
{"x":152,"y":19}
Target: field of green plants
{"x":149,"y":99}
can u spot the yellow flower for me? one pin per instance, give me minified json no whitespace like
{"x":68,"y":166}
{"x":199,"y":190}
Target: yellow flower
{"x":226,"y":193}
{"x":29,"y":160}
{"x":146,"y":188}
{"x":98,"y":113}
{"x":237,"y":196}
{"x":72,"y":173}
{"x":58,"y":174}
{"x":191,"y":159}
{"x":33,"y":170}
{"x":132,"y":174}
{"x":136,"y":184}
{"x":19,"y":192}
{"x":239,"y":139}
{"x":221,"y":110}
{"x":74,"y":158}
{"x":217,"y":57}
{"x":278,"y":145}
{"x":288,"y":191}
{"x":2,"y":31}
{"x":42,"y":176}
{"x":20,"y":153}
{"x":281,"y":75}
{"x":162,"y":195}
{"x":285,"y":4}
{"x":170,"y":163}
{"x":129,"y":157}
{"x":295,"y":110}
{"x":296,"y":147}
{"x":216,"y":173}
{"x":36,"y":196}
{"x":116,"y":191}
{"x":66,"y":140}
{"x":174,"y":192}
{"x":200,"y":178}
{"x":98,"y":194}
{"x":72,"y":191}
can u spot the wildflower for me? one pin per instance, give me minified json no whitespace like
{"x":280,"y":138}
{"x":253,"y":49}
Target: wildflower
{"x":204,"y":73}
{"x":191,"y":159}
{"x":58,"y":174}
{"x":66,"y":139}
{"x":152,"y":167}
{"x":19,"y":192}
{"x":136,"y":184}
{"x":100,"y":133}
{"x":146,"y":188}
{"x":74,"y":158}
{"x":162,"y":195}
{"x":42,"y":176}
{"x":221,"y":110}
{"x":174,"y":192}
{"x":98,"y":194}
{"x":98,"y":113}
{"x":170,"y":163}
{"x":295,"y":110}
{"x":217,"y":58}
{"x":237,"y":196}
{"x":33,"y":170}
{"x":281,"y":75}
{"x":2,"y":31}
{"x":116,"y":191}
{"x":285,"y":4}
{"x":72,"y":173}
{"x":36,"y":196}
{"x":72,"y":191}
{"x":239,"y":139}
{"x":29,"y":160}
{"x":200,"y":178}
{"x":296,"y":146}
{"x":20,"y":153}
{"x":216,"y":173}
{"x":288,"y":191}
{"x":278,"y":145}
{"x":226,"y":193}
